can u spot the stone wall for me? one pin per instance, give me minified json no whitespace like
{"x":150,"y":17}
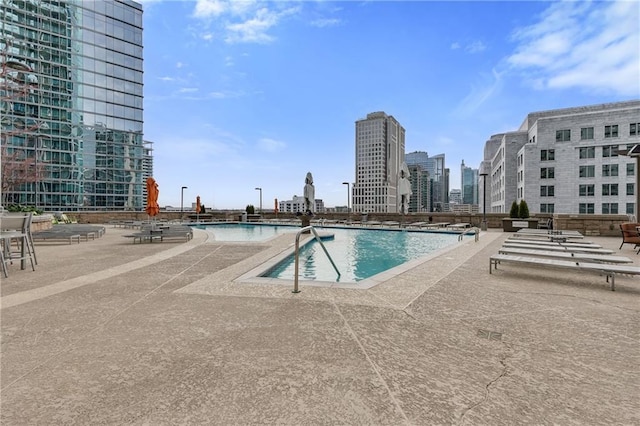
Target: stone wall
{"x":605,"y":225}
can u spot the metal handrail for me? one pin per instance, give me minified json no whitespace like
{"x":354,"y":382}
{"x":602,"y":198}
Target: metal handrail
{"x":297,"y":261}
{"x":475,"y":229}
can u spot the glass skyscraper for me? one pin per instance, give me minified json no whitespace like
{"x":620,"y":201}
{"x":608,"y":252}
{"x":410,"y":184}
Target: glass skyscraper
{"x":71,"y":104}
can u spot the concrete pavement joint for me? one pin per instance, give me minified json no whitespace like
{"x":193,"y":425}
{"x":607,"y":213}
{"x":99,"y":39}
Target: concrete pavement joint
{"x":66,"y":285}
{"x":372,"y":364}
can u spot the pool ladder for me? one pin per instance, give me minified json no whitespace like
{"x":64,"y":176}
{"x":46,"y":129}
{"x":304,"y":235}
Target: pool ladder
{"x":475,"y":230}
{"x":297,"y":257}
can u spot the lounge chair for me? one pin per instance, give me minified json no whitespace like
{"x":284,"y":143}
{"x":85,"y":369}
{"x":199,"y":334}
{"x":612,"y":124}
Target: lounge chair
{"x":559,"y":247}
{"x":565,"y":255}
{"x":608,"y":270}
{"x":545,"y":224}
{"x":630,"y":235}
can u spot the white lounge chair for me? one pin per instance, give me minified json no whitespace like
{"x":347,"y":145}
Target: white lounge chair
{"x":564,"y":255}
{"x":574,"y":249}
{"x":606,"y":269}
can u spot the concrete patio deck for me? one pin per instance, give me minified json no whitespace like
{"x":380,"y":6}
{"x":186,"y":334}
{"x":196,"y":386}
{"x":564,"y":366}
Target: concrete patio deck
{"x":110,"y":332}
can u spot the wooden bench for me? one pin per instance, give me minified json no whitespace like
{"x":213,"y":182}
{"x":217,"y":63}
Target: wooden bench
{"x":608,"y":270}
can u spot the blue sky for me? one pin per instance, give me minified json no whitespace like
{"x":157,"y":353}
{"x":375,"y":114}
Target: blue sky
{"x":246,"y":94}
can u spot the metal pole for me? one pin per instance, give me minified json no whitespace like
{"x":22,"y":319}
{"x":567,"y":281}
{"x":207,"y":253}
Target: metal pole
{"x":260,"y":189}
{"x":348,"y":202}
{"x":484,"y":202}
{"x":182,"y":201}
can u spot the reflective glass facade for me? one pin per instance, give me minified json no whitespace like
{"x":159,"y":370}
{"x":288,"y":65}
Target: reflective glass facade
{"x":71,"y":91}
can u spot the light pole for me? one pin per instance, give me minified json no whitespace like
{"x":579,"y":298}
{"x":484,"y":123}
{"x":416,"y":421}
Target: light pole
{"x":483,"y":227}
{"x":260,"y":189}
{"x":348,"y":202}
{"x":182,"y":201}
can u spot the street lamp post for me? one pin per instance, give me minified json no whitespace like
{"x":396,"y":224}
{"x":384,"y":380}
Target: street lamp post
{"x":260,"y":189}
{"x":348,"y":202}
{"x":182,"y":201}
{"x":483,"y":226}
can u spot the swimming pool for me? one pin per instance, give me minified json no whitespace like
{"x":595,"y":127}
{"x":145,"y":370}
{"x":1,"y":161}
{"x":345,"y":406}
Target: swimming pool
{"x":245,"y":232}
{"x":359,"y":254}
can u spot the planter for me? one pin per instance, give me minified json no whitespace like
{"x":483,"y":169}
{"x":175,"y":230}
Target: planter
{"x":510,"y":224}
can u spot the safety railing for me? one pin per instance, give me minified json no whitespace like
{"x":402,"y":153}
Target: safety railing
{"x":297,"y":257}
{"x":475,"y":230}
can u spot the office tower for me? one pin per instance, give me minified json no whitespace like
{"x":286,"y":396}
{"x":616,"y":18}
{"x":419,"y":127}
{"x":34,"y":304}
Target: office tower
{"x":468,"y":184}
{"x":71,"y":87}
{"x":421,"y":190}
{"x":435,"y":166}
{"x":379,"y":155}
{"x":567,"y":161}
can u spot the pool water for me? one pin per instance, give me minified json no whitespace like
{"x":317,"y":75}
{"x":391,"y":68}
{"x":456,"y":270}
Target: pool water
{"x":244,"y":232}
{"x":359,"y":254}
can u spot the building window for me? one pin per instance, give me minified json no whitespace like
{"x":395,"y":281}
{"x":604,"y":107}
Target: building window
{"x":610,"y":151}
{"x":631,"y":189}
{"x":609,"y":189}
{"x":547,"y":191}
{"x":587,"y":190}
{"x":609,"y":170}
{"x":547,"y":173}
{"x":588,"y":152}
{"x":630,"y":169}
{"x":586,"y":208}
{"x":587,"y":171}
{"x":611,"y":131}
{"x":609,"y":208}
{"x":546,"y":208}
{"x":634,"y":129}
{"x":586,"y":133}
{"x":563,"y":135}
{"x":547,"y":155}
{"x":631,"y":208}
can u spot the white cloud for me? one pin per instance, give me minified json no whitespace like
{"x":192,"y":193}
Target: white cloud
{"x":326,"y":22}
{"x":179,"y":65}
{"x":209,"y":8}
{"x":455,"y":46}
{"x":270,"y":145}
{"x":475,"y":47}
{"x":247,"y":21}
{"x":480,"y":94}
{"x":593,"y":46}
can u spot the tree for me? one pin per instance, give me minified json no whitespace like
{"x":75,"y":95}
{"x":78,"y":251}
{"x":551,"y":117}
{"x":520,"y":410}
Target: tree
{"x":523,"y":210}
{"x":17,"y":169}
{"x":250,"y":209}
{"x":514,"y":212}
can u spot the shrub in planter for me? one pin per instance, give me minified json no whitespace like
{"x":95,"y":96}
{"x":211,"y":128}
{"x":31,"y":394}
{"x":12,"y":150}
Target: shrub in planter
{"x":513,"y":213}
{"x":523,"y":210}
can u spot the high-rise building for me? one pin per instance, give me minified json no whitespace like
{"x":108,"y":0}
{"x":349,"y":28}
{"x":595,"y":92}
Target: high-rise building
{"x":71,"y":102}
{"x":468,"y":184}
{"x":567,"y":161}
{"x":379,"y":155}
{"x":435,"y":166}
{"x":420,"y":200}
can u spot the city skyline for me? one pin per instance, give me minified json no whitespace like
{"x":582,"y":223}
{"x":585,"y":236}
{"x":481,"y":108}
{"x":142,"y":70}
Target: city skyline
{"x":257,"y":94}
